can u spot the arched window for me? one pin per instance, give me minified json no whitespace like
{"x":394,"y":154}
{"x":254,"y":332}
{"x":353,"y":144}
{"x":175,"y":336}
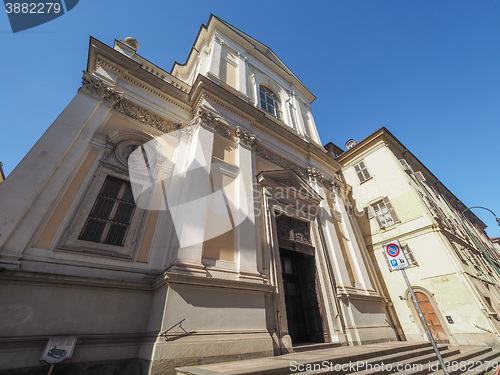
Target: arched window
{"x":269,"y":101}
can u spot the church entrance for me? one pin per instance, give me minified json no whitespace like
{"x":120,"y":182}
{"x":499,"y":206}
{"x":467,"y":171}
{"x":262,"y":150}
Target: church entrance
{"x":305,"y":321}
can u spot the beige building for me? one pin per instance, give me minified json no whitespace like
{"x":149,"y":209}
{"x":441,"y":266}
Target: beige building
{"x":89,"y":248}
{"x":397,"y":197}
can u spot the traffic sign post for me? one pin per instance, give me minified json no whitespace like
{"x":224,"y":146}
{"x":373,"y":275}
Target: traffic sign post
{"x":396,"y":256}
{"x":398,"y":261}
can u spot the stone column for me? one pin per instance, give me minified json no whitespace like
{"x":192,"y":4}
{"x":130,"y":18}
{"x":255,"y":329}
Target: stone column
{"x":312,"y":126}
{"x":246,"y":246}
{"x":188,"y":204}
{"x":243,"y":74}
{"x":328,"y":232}
{"x":354,"y":248}
{"x":216,"y":55}
{"x":301,"y":127}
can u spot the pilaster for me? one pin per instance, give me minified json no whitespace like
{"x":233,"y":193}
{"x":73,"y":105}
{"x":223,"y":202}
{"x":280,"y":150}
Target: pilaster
{"x":216,"y":55}
{"x":246,"y":245}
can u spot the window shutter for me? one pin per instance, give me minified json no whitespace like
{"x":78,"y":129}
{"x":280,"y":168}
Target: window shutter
{"x":409,"y":255}
{"x":379,"y":219}
{"x":370,"y":212}
{"x":420,"y":177}
{"x":391,"y":210}
{"x":405,"y":165}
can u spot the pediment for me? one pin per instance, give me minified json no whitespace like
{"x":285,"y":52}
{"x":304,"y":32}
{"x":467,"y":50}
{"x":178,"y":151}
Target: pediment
{"x":288,"y":185}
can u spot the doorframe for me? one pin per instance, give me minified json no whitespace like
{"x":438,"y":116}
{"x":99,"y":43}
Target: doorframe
{"x":437,"y":311}
{"x":284,"y":193}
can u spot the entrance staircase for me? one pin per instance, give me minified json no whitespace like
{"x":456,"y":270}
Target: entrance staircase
{"x":382,"y":358}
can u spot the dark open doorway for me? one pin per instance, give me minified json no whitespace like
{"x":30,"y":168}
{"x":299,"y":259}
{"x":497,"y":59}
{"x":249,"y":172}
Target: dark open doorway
{"x":303,"y":309}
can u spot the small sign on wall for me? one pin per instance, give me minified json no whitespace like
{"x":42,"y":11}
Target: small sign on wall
{"x":58,"y":349}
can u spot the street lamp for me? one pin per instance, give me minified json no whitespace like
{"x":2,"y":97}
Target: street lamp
{"x":474,"y":237}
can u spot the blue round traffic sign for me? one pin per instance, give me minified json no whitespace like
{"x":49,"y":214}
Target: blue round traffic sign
{"x":392,"y":250}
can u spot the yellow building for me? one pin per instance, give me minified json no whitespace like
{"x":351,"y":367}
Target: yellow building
{"x":397,"y":197}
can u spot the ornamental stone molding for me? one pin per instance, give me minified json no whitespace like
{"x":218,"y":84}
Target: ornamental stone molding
{"x":245,"y":138}
{"x":315,"y":175}
{"x":212,"y":122}
{"x":280,"y":161}
{"x":97,"y":88}
{"x":205,"y":119}
{"x":144,"y":116}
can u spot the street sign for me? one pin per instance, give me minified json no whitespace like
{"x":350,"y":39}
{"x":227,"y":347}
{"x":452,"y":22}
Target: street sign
{"x":58,"y":349}
{"x":398,"y":261}
{"x":395,"y":255}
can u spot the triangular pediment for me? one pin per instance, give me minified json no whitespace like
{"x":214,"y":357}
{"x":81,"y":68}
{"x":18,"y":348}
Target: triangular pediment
{"x":288,"y":185}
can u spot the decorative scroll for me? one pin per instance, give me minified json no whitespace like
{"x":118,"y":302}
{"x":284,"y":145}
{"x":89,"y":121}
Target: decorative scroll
{"x":95,"y":87}
{"x":205,"y":119}
{"x":245,"y":138}
{"x":315,"y":175}
{"x":212,"y":121}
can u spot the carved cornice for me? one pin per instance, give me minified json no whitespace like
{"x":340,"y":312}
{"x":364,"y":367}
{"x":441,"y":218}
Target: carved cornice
{"x":97,"y":88}
{"x":245,"y":138}
{"x":144,"y":116}
{"x":280,"y":161}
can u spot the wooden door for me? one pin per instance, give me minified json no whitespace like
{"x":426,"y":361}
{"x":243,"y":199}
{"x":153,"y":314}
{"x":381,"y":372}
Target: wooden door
{"x":293,"y":296}
{"x":310,"y":295}
{"x":431,"y":318}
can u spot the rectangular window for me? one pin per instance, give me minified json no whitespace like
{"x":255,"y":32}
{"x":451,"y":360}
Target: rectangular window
{"x":111,"y":214}
{"x":457,"y":251}
{"x":361,"y":171}
{"x":384,"y":212}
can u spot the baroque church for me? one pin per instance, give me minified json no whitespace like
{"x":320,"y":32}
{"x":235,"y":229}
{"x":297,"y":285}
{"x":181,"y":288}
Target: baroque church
{"x":145,"y":275}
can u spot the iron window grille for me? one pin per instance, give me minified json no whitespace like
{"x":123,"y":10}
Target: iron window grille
{"x":111,"y":214}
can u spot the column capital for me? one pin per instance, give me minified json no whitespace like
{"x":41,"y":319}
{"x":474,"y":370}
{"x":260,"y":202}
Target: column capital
{"x":245,"y":138}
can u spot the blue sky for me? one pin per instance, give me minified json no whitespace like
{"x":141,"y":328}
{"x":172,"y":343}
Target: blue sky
{"x":427,"y":70}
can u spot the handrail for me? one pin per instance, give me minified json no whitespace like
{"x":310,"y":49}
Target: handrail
{"x":175,"y":325}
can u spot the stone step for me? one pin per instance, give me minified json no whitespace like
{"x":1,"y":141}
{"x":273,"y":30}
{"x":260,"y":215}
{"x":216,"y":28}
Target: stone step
{"x":395,"y":356}
{"x":433,"y":365}
{"x":481,"y":364}
{"x":291,"y":363}
{"x":316,"y":346}
{"x":416,"y":361}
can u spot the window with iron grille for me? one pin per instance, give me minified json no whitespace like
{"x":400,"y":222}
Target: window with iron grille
{"x":362,"y":171}
{"x":269,"y":101}
{"x":111,"y":214}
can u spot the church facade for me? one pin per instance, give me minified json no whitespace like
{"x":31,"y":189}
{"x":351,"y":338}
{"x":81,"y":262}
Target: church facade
{"x":183,"y":217}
